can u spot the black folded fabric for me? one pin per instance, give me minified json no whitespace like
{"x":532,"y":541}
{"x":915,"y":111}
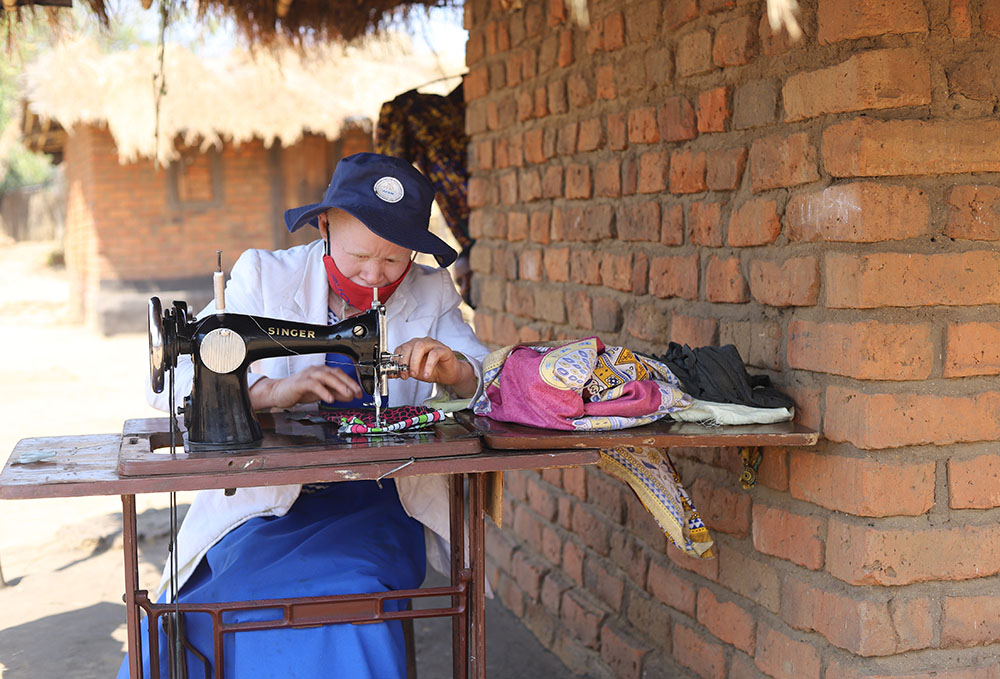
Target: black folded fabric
{"x":717,"y":374}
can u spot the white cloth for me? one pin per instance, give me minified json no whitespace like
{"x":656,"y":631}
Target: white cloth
{"x":711,"y":413}
{"x":292,"y":285}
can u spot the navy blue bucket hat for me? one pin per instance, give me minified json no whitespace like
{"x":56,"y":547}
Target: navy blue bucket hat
{"x":388,"y":195}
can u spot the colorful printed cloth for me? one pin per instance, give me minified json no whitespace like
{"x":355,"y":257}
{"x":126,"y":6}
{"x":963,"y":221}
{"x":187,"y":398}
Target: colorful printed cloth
{"x":362,"y":421}
{"x":429,"y":130}
{"x":651,"y":474}
{"x":577,"y":385}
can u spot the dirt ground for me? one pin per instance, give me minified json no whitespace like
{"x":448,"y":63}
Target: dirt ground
{"x":61,"y":613}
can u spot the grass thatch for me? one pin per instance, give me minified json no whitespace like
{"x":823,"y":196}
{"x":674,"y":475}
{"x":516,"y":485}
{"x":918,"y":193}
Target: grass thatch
{"x":272,"y":95}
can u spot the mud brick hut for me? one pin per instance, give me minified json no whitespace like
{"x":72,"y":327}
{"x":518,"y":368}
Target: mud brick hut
{"x":678,"y":170}
{"x":241,"y":138}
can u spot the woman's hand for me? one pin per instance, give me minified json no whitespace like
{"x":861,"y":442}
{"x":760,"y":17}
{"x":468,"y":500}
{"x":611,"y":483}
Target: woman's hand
{"x":431,"y":361}
{"x":315,"y":383}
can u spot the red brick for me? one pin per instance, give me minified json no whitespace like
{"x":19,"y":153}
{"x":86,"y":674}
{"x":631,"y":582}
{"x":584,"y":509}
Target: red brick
{"x":617,"y":131}
{"x":867,"y":350}
{"x":554,"y":587}
{"x":647,"y":322}
{"x":529,"y":528}
{"x":724,"y":168}
{"x":653,"y":172}
{"x":724,"y":281}
{"x":759,"y":344}
{"x":989,"y":19}
{"x":608,"y":178}
{"x":721,"y":509}
{"x":606,"y":585}
{"x":713,"y":110}
{"x":528,"y":572}
{"x":859,"y":212}
{"x":863,"y":554}
{"x":679,"y":12}
{"x":704,"y":658}
{"x":616,"y":271}
{"x":540,"y":499}
{"x":970,"y":621}
{"x":778,"y":161}
{"x":510,"y":594}
{"x":579,"y":90}
{"x":696,"y":332}
{"x":735,"y":42}
{"x":607,"y":314}
{"x":556,"y":263}
{"x":639,"y":222}
{"x":959,"y":23}
{"x":606,"y":88}
{"x":593,"y":529}
{"x":642,"y":126}
{"x":591,"y":135}
{"x":674,"y":276}
{"x":793,"y":282}
{"x":755,"y":222}
{"x":676,"y":119}
{"x":892,"y":78}
{"x":694,"y":54}
{"x":714,"y":6}
{"x":974,"y":483}
{"x":622,"y":653}
{"x":614,"y":31}
{"x":864,"y":623}
{"x":630,"y":555}
{"x":975,"y":214}
{"x":875,"y":421}
{"x":583,"y":619}
{"x":687,"y":171}
{"x":864,"y":147}
{"x":585,"y":267}
{"x":572,"y":563}
{"x":754,"y":103}
{"x":551,"y":547}
{"x":862,"y":486}
{"x":578,"y":181}
{"x":794,"y":537}
{"x":773,"y":472}
{"x":849,"y":19}
{"x":749,"y":577}
{"x":726,"y":620}
{"x":705,"y":224}
{"x":672,"y":225}
{"x":891,"y":279}
{"x":783,"y":657}
{"x":670,"y":588}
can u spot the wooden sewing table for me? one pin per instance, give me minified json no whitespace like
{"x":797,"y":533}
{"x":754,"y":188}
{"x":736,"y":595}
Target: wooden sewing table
{"x":472,"y":447}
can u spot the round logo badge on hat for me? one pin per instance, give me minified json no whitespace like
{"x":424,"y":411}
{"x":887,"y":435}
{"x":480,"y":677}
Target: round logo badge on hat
{"x":389,"y":189}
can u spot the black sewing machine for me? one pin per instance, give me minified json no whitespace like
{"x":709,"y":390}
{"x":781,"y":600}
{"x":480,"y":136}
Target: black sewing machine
{"x":217,"y":412}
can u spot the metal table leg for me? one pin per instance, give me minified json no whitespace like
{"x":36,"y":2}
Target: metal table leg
{"x":459,"y":623}
{"x":130,"y":547}
{"x":477,"y":557}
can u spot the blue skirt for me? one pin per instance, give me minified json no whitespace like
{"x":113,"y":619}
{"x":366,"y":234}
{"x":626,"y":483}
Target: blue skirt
{"x":338,"y":538}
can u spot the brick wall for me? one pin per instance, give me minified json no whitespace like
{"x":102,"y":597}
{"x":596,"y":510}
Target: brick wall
{"x":832,"y":207}
{"x":134,"y":230}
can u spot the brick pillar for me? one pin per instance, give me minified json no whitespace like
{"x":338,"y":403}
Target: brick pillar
{"x":677,"y":171}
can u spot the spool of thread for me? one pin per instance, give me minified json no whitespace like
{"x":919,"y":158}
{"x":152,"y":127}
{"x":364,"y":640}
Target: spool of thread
{"x":219,"y":283}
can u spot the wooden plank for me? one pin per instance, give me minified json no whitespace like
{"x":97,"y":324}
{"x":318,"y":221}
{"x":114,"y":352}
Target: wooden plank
{"x":287,"y":444}
{"x":662,"y":434}
{"x":87,"y":465}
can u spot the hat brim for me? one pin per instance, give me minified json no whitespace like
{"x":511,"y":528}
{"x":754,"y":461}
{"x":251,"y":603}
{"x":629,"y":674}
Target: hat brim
{"x":421,"y":241}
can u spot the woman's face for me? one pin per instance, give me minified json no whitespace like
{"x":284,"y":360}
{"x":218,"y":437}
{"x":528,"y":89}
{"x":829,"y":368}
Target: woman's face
{"x":360,"y":255}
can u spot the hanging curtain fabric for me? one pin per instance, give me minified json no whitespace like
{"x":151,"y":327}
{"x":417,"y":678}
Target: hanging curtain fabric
{"x":429,"y":131}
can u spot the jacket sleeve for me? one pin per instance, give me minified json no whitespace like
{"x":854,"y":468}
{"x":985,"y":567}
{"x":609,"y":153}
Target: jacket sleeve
{"x":244,"y":295}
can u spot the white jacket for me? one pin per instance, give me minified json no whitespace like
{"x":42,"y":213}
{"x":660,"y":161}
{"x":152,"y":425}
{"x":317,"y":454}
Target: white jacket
{"x":292,"y":285}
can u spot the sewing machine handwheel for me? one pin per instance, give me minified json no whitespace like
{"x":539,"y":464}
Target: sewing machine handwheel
{"x":157,"y":354}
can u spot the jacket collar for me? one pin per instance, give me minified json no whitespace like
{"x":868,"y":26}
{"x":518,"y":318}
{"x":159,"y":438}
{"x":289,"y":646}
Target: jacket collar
{"x":310,"y":301}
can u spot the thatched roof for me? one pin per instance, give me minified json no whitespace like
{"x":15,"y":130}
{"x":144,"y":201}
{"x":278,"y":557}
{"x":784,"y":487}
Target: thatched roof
{"x":264,"y":22}
{"x":273,"y":95}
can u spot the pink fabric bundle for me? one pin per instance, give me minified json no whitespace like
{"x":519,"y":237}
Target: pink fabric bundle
{"x":580,"y":385}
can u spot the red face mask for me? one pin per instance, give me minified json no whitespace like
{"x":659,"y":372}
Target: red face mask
{"x":358,"y":296}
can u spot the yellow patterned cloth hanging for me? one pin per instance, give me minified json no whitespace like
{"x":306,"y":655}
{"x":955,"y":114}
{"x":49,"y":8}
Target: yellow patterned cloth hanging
{"x":651,"y":474}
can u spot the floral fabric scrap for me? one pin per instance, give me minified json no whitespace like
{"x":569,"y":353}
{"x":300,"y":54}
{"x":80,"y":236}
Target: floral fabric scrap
{"x":577,"y":385}
{"x":650,"y":473}
{"x":358,"y":421}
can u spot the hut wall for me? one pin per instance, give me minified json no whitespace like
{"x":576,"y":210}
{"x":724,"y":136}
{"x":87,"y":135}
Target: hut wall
{"x":135,"y":230}
{"x":677,"y":171}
